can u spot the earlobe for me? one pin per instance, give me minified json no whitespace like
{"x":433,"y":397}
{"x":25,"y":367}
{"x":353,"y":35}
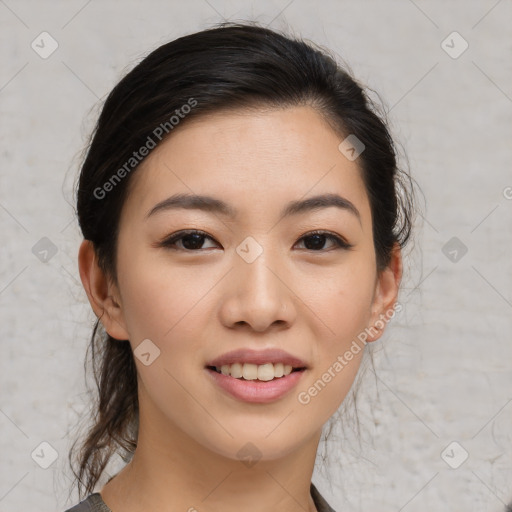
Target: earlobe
{"x":101,"y":292}
{"x":386,"y":294}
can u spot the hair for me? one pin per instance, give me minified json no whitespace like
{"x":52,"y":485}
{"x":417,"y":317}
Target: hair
{"x":230,"y":67}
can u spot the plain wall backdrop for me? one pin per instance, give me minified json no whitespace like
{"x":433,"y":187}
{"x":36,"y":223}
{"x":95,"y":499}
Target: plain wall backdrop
{"x":444,"y":365}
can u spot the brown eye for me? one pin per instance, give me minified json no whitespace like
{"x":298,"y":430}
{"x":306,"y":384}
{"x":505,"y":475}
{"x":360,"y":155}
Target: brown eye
{"x":315,"y":241}
{"x":191,"y":240}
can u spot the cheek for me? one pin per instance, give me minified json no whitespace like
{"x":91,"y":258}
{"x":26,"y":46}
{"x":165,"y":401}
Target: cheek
{"x":343,"y":299}
{"x":342,"y":305}
{"x":157,"y":298}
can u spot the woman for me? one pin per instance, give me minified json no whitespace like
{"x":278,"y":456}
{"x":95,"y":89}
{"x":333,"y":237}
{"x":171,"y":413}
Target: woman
{"x":243,"y":219}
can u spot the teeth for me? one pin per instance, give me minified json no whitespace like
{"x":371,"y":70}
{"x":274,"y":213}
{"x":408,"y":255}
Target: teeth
{"x":250,"y":371}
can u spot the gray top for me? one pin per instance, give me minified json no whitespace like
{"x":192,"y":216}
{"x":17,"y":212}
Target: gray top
{"x":94,"y":503}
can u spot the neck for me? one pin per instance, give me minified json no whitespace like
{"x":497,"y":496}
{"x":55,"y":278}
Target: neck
{"x":181,"y":474}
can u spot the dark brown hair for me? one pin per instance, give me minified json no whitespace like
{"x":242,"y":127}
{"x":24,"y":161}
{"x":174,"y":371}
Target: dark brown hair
{"x":230,"y":66}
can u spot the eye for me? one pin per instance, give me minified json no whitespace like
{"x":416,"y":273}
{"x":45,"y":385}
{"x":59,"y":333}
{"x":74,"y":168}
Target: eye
{"x":192,"y":240}
{"x":317,"y":240}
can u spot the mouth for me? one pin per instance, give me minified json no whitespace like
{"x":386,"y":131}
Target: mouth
{"x":253,"y":383}
{"x":252,"y":372}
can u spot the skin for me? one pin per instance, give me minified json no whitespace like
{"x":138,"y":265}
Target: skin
{"x":310,"y":302}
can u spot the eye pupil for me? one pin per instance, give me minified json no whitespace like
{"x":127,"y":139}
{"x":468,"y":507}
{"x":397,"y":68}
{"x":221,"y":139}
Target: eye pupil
{"x":197,"y":242}
{"x":317,"y":244}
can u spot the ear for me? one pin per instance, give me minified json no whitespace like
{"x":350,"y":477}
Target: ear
{"x":102,"y":293}
{"x":385,"y":295}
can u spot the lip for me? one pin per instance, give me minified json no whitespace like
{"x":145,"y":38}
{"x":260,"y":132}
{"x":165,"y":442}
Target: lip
{"x":256,"y":391}
{"x":271,"y":355}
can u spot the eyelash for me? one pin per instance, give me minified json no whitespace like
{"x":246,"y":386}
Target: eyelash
{"x":169,"y":243}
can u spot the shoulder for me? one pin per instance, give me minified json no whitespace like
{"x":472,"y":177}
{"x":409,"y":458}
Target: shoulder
{"x":320,"y":502}
{"x":93,"y":503}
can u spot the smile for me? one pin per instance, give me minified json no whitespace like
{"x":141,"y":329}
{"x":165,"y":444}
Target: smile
{"x":249,"y":371}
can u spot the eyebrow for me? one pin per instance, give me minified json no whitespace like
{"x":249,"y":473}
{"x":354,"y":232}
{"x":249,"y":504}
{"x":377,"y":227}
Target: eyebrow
{"x":214,"y":205}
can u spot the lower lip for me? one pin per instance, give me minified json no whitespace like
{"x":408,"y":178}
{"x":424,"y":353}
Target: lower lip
{"x":256,"y":391}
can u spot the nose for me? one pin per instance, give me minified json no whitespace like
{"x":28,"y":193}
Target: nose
{"x":258,"y":295}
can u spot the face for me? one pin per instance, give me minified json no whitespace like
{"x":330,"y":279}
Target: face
{"x":252,"y":279}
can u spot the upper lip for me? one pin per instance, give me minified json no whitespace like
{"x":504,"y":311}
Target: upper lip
{"x":245,"y":355}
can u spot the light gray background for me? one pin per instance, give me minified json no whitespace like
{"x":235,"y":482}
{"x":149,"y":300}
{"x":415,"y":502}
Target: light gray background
{"x":444,"y":366}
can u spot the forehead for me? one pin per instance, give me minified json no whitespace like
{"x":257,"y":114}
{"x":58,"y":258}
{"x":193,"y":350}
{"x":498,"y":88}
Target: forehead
{"x":251,"y":160}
